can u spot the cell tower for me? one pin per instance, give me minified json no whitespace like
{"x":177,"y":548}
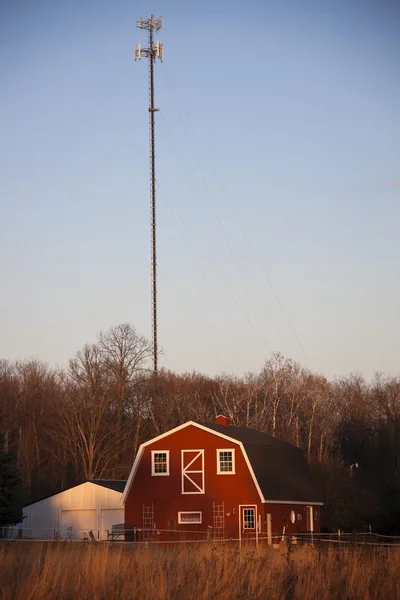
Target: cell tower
{"x":152,"y":52}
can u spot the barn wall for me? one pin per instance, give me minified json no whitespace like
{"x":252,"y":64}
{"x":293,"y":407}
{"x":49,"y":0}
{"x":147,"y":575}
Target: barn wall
{"x":164,"y":492}
{"x":47,"y":516}
{"x":280,"y":518}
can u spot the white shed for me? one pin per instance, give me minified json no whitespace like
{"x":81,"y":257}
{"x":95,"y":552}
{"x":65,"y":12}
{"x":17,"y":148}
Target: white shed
{"x":71,"y":514}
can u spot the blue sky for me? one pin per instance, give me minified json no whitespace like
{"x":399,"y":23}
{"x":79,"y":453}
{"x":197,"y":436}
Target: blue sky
{"x":278,"y":179}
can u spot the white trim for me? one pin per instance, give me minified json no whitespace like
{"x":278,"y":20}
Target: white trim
{"x":192,"y":512}
{"x":203,"y":428}
{"x":310,"y":518}
{"x":75,"y":509}
{"x":132,"y":473}
{"x":242,"y":507}
{"x":269,"y":529}
{"x":253,"y":508}
{"x":153,"y":473}
{"x":219,"y":472}
{"x":185,"y":472}
{"x":293,"y":502}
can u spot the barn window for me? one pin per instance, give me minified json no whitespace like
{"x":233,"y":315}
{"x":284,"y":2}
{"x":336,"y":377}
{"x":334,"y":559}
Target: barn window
{"x":160,"y":462}
{"x":189,"y":517}
{"x":249,"y":518}
{"x":225,"y":462}
{"x":171,"y":525}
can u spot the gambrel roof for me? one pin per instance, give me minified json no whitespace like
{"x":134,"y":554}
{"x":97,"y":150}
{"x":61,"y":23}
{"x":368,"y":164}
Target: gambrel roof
{"x":279,"y":470}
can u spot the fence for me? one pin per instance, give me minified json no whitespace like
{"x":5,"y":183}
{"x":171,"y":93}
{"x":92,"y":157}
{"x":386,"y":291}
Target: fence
{"x":118,"y":533}
{"x":144,"y":537}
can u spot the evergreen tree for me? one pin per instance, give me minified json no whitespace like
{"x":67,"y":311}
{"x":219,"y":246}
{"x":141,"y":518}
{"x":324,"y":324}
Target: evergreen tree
{"x":10,"y":490}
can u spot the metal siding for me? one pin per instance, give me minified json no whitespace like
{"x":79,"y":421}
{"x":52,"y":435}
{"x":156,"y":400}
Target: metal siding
{"x":43,"y":517}
{"x":76,"y":523}
{"x":108,"y":518}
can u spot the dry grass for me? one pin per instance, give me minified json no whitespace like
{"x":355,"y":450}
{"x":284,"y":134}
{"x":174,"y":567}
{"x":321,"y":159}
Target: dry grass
{"x":33,"y":571}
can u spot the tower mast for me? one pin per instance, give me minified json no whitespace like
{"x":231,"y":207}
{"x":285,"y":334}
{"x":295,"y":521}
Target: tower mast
{"x":152,"y":52}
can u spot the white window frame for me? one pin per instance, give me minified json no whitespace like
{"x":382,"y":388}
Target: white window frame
{"x":255,"y":518}
{"x":190,"y":512}
{"x":186,"y":473}
{"x":219,"y":472}
{"x":153,"y":473}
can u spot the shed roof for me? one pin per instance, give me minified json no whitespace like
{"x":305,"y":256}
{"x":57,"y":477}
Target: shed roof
{"x":281,"y":469}
{"x":113,"y":484}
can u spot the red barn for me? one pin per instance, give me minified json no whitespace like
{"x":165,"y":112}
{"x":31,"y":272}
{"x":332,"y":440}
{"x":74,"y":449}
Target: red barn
{"x":218,"y":482}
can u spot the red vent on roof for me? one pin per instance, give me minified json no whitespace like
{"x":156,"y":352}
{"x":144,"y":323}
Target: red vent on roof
{"x":221,"y":420}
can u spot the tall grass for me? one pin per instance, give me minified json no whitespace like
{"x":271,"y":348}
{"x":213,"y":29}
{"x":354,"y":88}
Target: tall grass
{"x":32,"y":571}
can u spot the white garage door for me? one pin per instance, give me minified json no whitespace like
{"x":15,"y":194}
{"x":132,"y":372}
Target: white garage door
{"x":76,"y":524}
{"x":108,"y":518}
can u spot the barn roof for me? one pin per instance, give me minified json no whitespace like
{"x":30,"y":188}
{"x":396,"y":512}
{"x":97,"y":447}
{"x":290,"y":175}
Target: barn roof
{"x":113,"y":484}
{"x":281,"y":469}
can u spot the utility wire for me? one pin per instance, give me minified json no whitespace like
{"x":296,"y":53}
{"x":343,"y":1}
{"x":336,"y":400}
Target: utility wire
{"x":257,"y":331}
{"x":174,"y":92}
{"x":184,"y":230}
{"x":226,"y":235}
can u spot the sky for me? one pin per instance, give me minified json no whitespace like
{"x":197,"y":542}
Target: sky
{"x":278,"y":181}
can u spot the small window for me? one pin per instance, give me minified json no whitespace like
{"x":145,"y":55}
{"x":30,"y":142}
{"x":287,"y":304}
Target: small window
{"x":160,"y":462}
{"x":189,"y":518}
{"x":249,"y":518}
{"x":225,"y":462}
{"x":171,"y":525}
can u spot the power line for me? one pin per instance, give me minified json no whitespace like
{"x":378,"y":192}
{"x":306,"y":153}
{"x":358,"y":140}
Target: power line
{"x":185,"y":231}
{"x":174,"y":92}
{"x":257,"y":331}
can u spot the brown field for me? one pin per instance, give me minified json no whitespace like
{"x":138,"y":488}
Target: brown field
{"x":64,"y":570}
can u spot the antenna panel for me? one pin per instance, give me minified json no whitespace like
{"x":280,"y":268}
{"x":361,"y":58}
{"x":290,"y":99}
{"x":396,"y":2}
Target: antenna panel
{"x":137,"y":52}
{"x":160,"y":50}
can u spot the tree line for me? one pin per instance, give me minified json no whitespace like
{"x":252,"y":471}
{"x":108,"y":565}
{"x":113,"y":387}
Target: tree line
{"x":86,"y":421}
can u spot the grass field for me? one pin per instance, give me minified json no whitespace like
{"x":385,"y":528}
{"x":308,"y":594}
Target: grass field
{"x":32,"y":571}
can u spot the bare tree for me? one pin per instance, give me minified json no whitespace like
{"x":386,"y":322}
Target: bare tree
{"x":124,"y":354}
{"x":85,"y":429}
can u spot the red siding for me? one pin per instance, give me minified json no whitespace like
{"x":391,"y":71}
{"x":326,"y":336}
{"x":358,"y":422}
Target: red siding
{"x":165,"y":492}
{"x":280,"y":519}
